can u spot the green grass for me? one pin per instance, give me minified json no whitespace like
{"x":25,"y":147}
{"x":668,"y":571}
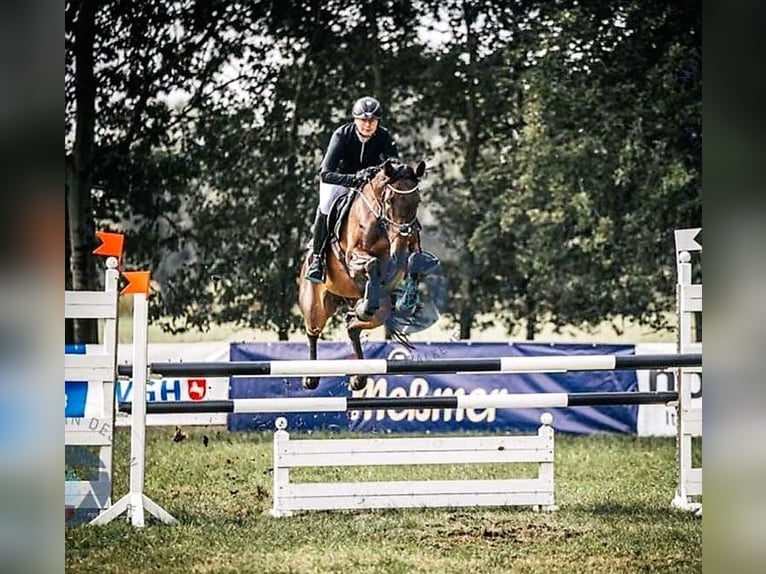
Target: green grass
{"x":614,"y":495}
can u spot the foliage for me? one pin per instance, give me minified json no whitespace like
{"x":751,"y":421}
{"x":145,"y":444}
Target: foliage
{"x":608,"y":164}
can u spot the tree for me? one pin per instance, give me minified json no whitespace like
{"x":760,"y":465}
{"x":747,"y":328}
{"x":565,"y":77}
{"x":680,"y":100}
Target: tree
{"x":608,"y":163}
{"x":81,"y":39}
{"x":261,"y":159}
{"x":125,"y":166}
{"x":471,"y":91}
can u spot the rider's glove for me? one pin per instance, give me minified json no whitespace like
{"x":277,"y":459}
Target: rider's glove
{"x":364,"y":175}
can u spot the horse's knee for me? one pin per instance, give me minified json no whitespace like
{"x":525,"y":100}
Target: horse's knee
{"x":364,"y":310}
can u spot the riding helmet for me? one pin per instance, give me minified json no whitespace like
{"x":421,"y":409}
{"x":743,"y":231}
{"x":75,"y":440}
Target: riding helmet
{"x":367,"y":108}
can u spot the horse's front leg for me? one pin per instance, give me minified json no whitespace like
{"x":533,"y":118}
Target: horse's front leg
{"x":356,"y":382}
{"x":354,"y":328}
{"x":369,"y":304}
{"x":311,"y":383}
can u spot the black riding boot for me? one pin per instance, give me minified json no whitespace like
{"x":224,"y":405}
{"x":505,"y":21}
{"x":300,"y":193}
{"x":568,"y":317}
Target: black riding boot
{"x":316,"y":271}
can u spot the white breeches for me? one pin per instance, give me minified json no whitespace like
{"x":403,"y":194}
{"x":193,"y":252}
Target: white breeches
{"x":328,"y":193}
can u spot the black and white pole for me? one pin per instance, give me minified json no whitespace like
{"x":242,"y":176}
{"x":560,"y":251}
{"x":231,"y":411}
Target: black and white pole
{"x":326,"y":368}
{"x":343,"y":404}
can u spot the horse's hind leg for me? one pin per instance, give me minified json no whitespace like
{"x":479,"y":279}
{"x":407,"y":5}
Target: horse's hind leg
{"x":356,"y":382}
{"x":317,"y":305}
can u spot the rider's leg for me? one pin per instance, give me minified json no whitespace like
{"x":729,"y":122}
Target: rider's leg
{"x":327,"y":195}
{"x":316,"y":271}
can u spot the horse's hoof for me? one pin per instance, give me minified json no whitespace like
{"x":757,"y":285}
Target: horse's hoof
{"x":357,"y":382}
{"x":310,"y":383}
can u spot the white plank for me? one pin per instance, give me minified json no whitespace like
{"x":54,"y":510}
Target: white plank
{"x":691,"y":298}
{"x":416,"y":444}
{"x":419,"y":501}
{"x":414,"y":487}
{"x":692,"y":422}
{"x":318,"y":459}
{"x":88,"y":431}
{"x":89,"y":367}
{"x":90,"y":305}
{"x":690,"y":347}
{"x":693,"y":483}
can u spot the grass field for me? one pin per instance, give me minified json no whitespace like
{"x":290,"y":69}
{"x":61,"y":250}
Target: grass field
{"x":613,"y":491}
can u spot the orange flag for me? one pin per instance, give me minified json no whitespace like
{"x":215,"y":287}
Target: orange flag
{"x":138,"y":282}
{"x":111,"y":244}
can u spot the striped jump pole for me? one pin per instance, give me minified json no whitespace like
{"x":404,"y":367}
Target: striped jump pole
{"x":324,"y":368}
{"x":342,"y":404}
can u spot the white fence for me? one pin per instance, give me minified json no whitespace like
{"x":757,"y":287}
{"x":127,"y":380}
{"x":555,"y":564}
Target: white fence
{"x":313,"y":453}
{"x":98,"y":369}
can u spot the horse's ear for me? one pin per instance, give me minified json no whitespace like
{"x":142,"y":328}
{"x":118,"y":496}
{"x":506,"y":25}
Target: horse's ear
{"x":387,"y":167}
{"x":420,"y":169}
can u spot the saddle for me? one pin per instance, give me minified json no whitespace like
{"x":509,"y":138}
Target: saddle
{"x":338,"y":213}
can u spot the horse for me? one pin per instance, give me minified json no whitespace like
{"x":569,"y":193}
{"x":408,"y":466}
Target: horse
{"x":367,"y":260}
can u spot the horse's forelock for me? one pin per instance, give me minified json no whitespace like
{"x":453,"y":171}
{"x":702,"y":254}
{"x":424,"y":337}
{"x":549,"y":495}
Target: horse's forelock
{"x":404,"y":171}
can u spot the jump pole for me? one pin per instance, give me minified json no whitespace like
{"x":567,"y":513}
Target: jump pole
{"x":341,"y":404}
{"x":324,"y":368}
{"x":135,"y":502}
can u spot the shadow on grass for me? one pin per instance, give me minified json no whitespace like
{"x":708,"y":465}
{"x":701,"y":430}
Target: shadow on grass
{"x":631,"y":511}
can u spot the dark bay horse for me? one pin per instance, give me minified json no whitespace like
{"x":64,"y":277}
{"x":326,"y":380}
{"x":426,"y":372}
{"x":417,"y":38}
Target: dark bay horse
{"x":368,"y":261}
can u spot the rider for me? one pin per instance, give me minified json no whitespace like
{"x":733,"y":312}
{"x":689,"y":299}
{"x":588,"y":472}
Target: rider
{"x":355,"y":149}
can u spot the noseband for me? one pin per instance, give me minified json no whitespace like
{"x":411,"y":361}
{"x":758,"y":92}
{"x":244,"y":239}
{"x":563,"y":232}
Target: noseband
{"x":403,"y":229}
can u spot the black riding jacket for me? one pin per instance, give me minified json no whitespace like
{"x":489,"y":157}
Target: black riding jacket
{"x":347,"y":154}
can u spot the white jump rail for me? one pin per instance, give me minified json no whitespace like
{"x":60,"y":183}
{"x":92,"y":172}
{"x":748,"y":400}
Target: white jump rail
{"x":290,"y":497}
{"x":688,"y":304}
{"x":98,"y":368}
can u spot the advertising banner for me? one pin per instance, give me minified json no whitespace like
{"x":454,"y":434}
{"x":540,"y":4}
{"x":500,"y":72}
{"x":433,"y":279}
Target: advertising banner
{"x":75,"y":392}
{"x":660,"y":420}
{"x":580,"y":420}
{"x":177,"y":388}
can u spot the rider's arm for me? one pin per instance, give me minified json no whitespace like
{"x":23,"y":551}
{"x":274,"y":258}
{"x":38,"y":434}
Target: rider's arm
{"x":328,"y":171}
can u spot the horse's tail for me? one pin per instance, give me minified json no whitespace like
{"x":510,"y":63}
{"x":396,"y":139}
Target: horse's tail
{"x":400,"y":336}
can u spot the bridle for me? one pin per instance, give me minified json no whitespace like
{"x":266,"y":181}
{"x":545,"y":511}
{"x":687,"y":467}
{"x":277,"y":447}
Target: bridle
{"x":403,"y":229}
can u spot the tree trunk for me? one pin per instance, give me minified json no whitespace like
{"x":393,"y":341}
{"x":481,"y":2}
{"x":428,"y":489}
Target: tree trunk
{"x":377,"y":88}
{"x":531,"y":316}
{"x":471,"y":150}
{"x":466,"y":321}
{"x":79,"y":206}
{"x":68,"y":323}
